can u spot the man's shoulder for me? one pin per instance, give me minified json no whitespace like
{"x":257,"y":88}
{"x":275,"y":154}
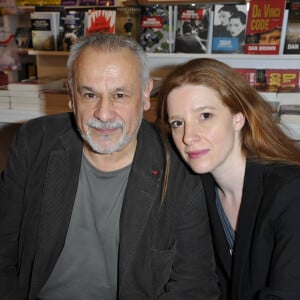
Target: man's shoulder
{"x":55,"y":119}
{"x":49,"y":127}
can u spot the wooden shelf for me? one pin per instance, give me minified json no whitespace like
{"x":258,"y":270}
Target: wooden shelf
{"x":47,"y":53}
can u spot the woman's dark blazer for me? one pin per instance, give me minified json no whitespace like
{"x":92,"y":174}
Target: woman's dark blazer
{"x":165,"y":247}
{"x":266,"y":255}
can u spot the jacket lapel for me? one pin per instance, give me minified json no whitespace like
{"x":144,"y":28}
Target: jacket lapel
{"x":220,"y":243}
{"x":57,"y":203}
{"x":142,"y":191}
{"x":252,"y":195}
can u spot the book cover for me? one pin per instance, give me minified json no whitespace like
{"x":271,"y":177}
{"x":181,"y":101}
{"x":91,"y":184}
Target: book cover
{"x":264,"y":26}
{"x":71,"y":28}
{"x":156,"y":36}
{"x":229,"y":28}
{"x":129,"y":22}
{"x":282,"y":78}
{"x":44,"y":30}
{"x":102,"y":20}
{"x":23,"y":37}
{"x":37,"y":84}
{"x":192,"y":28}
{"x":292,"y":37}
{"x":255,"y":77}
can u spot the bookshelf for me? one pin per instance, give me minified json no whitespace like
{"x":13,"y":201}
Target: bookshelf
{"x":54,"y":62}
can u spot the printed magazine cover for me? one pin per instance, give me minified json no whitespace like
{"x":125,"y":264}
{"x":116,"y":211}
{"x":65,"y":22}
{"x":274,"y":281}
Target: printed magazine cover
{"x":292,"y":37}
{"x":156,"y":35}
{"x":229,"y":28}
{"x":128,"y":22}
{"x":192,"y":28}
{"x":102,"y":20}
{"x":264,"y":26}
{"x":44,"y":30}
{"x":71,"y":28}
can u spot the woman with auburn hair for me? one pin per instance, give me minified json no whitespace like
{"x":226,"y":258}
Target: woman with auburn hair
{"x":225,"y":131}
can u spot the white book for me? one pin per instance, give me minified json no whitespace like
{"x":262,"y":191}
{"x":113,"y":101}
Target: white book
{"x":37,"y":84}
{"x":4,"y":105}
{"x":45,"y":30}
{"x":4,"y":99}
{"x":288,"y":97}
{"x":3,"y":90}
{"x":23,"y":93}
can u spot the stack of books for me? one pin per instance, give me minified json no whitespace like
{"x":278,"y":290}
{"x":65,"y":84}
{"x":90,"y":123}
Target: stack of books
{"x":4,"y":97}
{"x":47,"y":95}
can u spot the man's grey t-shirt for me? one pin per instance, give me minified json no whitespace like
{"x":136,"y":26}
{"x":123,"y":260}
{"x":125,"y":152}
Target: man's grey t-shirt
{"x":88,"y":265}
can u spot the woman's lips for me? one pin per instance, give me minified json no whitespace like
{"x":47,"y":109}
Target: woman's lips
{"x":197,"y":154}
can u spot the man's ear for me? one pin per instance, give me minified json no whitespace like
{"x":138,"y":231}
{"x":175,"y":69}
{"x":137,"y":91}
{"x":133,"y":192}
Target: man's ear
{"x":70,"y":95}
{"x":147,"y":92}
{"x":239,"y":121}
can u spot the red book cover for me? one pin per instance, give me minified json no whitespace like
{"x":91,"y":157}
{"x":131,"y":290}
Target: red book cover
{"x":292,"y":37}
{"x":282,"y":78}
{"x":102,"y":20}
{"x":264,"y":26}
{"x":248,"y":74}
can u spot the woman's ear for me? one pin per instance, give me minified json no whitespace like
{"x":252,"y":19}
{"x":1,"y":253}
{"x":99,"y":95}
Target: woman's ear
{"x":239,"y":121}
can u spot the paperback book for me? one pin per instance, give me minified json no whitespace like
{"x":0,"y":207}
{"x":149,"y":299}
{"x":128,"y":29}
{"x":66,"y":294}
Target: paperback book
{"x":128,"y":21}
{"x":264,"y":26}
{"x":292,"y":37}
{"x":282,"y":78}
{"x":36,"y":84}
{"x":44,"y":30}
{"x":71,"y":28}
{"x":156,"y":33}
{"x":255,"y":77}
{"x":23,"y":37}
{"x":101,"y":20}
{"x":229,"y":28}
{"x":192,"y":24}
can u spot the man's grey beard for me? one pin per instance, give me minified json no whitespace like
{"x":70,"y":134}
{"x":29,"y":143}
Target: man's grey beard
{"x":121,"y":144}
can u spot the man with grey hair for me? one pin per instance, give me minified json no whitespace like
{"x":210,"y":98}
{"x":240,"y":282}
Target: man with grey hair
{"x":96,"y":204}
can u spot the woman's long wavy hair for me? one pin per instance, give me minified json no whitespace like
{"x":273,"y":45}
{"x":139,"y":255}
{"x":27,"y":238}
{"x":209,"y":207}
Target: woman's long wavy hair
{"x":262,"y":137}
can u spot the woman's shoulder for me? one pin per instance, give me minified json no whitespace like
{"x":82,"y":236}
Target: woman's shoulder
{"x":277,"y":173}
